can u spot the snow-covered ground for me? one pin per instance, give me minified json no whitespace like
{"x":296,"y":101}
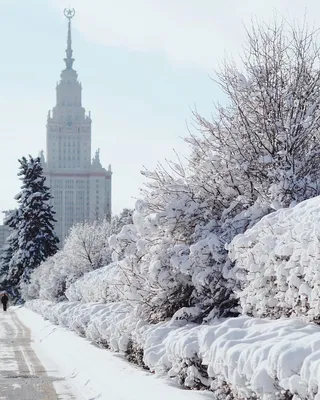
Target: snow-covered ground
{"x":96,"y":373}
{"x":22,"y":375}
{"x":248,"y":357}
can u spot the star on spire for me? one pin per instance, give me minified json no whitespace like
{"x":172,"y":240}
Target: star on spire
{"x":69,"y":14}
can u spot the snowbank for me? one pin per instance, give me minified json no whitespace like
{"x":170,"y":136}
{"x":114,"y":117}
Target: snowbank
{"x":278,"y":263}
{"x":246,"y":357}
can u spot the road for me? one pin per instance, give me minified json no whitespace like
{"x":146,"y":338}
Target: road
{"x":22,"y":376}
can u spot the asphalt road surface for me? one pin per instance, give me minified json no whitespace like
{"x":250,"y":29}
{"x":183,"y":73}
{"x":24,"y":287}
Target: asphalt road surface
{"x":22,"y":376}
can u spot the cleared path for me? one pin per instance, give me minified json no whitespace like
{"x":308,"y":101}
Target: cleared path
{"x":22,"y":376}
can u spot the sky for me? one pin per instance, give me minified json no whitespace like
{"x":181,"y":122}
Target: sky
{"x":144,"y":66}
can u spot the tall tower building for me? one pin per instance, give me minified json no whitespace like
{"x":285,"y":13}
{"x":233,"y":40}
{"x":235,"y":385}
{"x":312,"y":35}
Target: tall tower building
{"x":81,"y":187}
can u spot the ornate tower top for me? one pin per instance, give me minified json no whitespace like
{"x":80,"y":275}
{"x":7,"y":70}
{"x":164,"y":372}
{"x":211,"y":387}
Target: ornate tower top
{"x":96,"y":160}
{"x":69,"y":14}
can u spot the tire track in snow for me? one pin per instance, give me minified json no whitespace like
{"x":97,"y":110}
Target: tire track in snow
{"x":22,"y":375}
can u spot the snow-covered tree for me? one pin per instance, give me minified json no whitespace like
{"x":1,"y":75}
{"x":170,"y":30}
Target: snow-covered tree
{"x":89,"y":284}
{"x":34,"y":230}
{"x":11,"y":220}
{"x":85,"y":249}
{"x":118,"y":221}
{"x":48,"y":281}
{"x":259,"y":153}
{"x":265,"y":143}
{"x":178,"y":261}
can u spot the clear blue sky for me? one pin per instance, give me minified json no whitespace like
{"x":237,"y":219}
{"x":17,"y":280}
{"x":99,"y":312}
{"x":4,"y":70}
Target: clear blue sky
{"x":143,"y":65}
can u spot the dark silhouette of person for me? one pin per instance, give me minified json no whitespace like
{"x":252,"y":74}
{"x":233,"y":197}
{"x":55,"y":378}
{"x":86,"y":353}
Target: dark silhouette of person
{"x":4,"y":301}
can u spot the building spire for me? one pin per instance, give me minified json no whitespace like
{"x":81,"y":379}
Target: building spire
{"x":69,"y":14}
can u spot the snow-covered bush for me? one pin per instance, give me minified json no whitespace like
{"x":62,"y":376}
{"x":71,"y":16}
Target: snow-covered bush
{"x":48,"y":282}
{"x":99,"y":285}
{"x":105,"y":324}
{"x":278,"y":263}
{"x":237,"y":358}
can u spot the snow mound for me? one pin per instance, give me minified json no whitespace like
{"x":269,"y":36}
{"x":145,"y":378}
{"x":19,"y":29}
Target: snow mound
{"x":278,"y":263}
{"x":246,"y":357}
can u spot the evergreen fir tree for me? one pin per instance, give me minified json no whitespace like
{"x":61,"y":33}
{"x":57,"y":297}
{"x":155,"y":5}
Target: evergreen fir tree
{"x":11,"y":246}
{"x":33,"y":234}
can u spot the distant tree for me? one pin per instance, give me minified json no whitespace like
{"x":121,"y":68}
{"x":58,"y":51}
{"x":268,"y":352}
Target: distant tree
{"x":11,"y":220}
{"x":85,"y":249}
{"x":85,"y":246}
{"x":33,"y":230}
{"x":119,"y":221}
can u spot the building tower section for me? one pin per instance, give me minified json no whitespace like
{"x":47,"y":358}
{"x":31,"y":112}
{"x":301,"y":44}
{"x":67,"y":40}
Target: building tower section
{"x":81,"y":187}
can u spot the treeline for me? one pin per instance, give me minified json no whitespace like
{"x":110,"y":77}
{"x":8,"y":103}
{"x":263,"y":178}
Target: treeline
{"x":259,"y":153}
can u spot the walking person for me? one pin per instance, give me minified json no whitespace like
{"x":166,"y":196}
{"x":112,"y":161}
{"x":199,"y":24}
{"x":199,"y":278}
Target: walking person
{"x":4,"y":301}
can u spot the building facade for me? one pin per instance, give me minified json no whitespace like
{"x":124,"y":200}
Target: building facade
{"x":81,"y":187}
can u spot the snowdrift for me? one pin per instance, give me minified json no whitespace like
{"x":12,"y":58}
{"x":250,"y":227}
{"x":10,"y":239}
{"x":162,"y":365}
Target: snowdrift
{"x":243,"y":357}
{"x":278,"y":263}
